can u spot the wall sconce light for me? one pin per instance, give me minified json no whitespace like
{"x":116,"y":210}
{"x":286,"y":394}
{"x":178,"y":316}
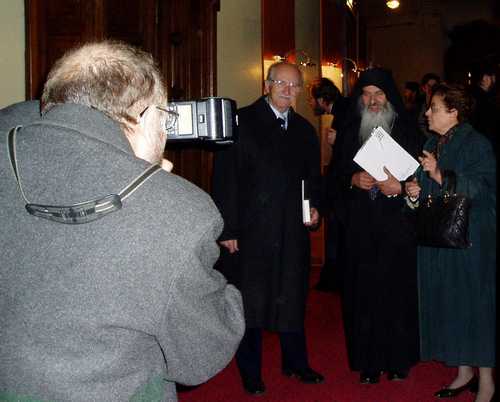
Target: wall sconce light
{"x":299,"y":57}
{"x":355,"y":68}
{"x":392,"y":4}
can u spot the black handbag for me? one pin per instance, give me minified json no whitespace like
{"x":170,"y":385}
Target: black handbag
{"x":443,"y":219}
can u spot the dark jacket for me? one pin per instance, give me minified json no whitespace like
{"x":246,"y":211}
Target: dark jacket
{"x":486,"y":115}
{"x":257,"y":187}
{"x":380,"y":284}
{"x":115,"y":309}
{"x":19,"y":114}
{"x":332,"y":197}
{"x":457,"y":287}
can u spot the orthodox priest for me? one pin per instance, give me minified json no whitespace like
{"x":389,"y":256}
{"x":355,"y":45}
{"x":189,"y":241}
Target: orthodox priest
{"x":380,"y":281}
{"x":265,"y":243}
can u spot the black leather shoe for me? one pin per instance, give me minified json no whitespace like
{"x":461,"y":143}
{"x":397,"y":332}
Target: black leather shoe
{"x":253,"y":386}
{"x":472,"y":385}
{"x":306,"y":375}
{"x":397,"y":375}
{"x":368,"y":377}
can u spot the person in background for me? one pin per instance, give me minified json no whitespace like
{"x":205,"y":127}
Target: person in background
{"x":457,"y":286}
{"x":426,"y":84}
{"x":108,"y":291}
{"x":379,"y":297}
{"x":257,"y":185}
{"x":325,"y":98}
{"x":412,"y":98}
{"x":486,"y":115}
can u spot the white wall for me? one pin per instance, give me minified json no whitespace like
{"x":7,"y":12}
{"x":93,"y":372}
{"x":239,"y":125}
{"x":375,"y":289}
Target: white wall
{"x":239,"y":55}
{"x":12,"y":43}
{"x":307,"y":31}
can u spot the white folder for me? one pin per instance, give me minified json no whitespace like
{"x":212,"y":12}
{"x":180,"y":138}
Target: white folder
{"x":381,"y":150}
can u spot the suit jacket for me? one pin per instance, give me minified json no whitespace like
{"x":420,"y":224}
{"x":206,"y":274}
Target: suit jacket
{"x":257,"y":186}
{"x":120,"y":308}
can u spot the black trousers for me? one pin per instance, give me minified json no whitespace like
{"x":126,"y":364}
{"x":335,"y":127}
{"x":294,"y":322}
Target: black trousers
{"x":331,"y":273}
{"x":249,"y":353}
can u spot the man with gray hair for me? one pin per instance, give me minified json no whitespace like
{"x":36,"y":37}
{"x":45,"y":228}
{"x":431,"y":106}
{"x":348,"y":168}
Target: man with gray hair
{"x":266,"y":251}
{"x":380,"y":281}
{"x":107,"y":291}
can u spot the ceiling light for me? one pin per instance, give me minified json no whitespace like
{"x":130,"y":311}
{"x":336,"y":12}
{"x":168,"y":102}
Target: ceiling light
{"x":392,"y":4}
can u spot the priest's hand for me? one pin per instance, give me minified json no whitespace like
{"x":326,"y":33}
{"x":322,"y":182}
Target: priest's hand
{"x":362,"y":180}
{"x":231,"y":245}
{"x":391,"y":186}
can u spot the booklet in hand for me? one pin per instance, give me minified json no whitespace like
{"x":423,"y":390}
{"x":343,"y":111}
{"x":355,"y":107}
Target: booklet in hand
{"x":306,"y":209}
{"x":381,"y":150}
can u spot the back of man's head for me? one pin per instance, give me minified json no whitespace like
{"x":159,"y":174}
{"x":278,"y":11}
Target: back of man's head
{"x":110,"y":76}
{"x":412,"y":86}
{"x":325,"y":89}
{"x":430,"y":77}
{"x":486,"y":77}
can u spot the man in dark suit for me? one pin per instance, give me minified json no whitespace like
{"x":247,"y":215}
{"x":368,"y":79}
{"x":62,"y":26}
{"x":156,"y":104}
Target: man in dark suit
{"x":257,"y":187}
{"x":485,"y":118}
{"x":326,"y":99}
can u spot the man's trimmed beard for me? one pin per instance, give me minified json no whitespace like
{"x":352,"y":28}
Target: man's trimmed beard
{"x":369,"y":120}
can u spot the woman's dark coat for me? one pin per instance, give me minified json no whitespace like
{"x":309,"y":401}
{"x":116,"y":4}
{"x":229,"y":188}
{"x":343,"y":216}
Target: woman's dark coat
{"x":457,"y":287}
{"x":257,"y":187}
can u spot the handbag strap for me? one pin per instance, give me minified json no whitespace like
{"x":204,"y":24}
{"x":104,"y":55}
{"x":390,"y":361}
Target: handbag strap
{"x":451,"y":179}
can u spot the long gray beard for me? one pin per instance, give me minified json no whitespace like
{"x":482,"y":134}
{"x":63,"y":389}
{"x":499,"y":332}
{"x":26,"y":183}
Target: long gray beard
{"x":370,"y":120}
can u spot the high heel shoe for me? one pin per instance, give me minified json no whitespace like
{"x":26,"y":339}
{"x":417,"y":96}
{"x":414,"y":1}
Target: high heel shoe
{"x":472,"y":385}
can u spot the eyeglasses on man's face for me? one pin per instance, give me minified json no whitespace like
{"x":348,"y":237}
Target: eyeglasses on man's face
{"x":282,"y":84}
{"x":169,"y":115}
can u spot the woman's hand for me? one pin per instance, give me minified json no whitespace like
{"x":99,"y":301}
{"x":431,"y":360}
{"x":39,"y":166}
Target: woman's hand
{"x":412,"y":189}
{"x":429,"y":164}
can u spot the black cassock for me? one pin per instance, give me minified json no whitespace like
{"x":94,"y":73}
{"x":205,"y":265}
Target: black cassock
{"x":257,"y":187}
{"x":379,"y":295}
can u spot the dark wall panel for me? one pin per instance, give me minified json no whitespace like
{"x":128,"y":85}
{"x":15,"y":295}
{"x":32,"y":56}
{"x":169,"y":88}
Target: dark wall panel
{"x":278,"y":27}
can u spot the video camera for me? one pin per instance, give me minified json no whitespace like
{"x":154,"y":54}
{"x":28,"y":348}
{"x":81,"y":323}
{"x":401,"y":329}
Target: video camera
{"x":211,"y":119}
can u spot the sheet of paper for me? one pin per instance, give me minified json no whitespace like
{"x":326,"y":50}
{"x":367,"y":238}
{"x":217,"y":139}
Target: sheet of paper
{"x":381,"y":150}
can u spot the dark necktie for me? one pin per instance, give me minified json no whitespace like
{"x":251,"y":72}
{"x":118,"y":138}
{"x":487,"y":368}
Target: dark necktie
{"x":282,"y":123}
